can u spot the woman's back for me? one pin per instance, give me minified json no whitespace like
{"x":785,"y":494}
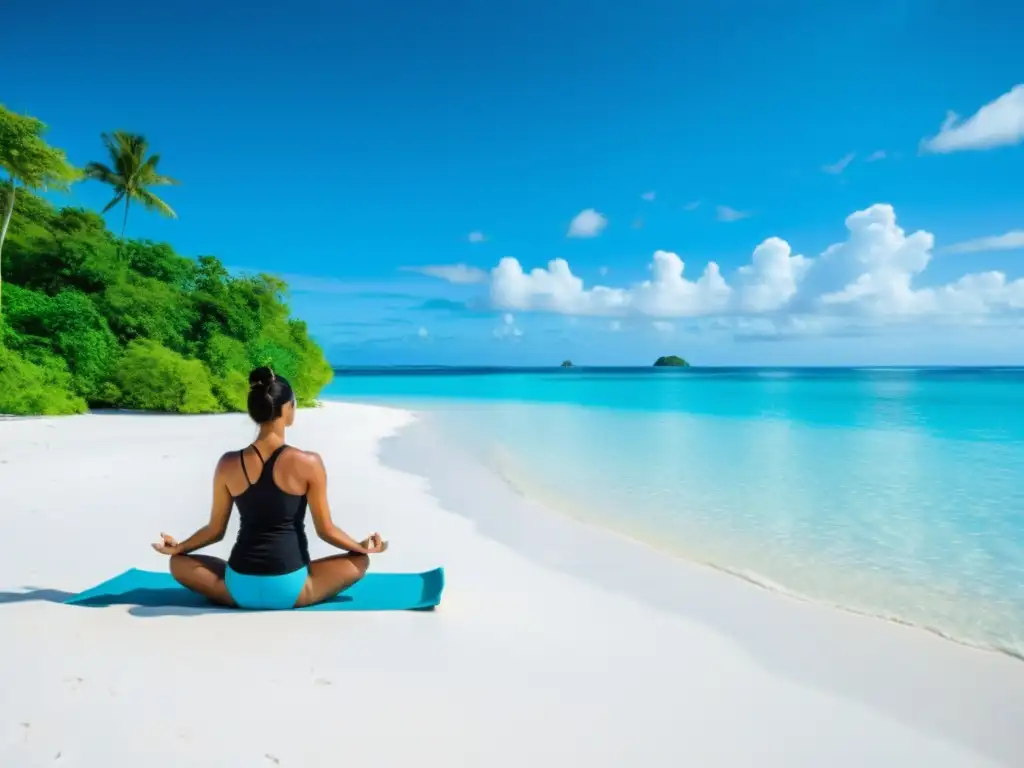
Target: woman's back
{"x":272,"y":511}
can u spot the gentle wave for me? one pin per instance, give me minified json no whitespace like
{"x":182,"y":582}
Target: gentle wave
{"x":500,"y":461}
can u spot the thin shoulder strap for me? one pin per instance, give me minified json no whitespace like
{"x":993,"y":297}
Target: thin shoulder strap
{"x":273,"y":457}
{"x":267,"y":470}
{"x":241,"y":460}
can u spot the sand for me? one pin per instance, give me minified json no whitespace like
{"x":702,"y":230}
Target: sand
{"x":555,"y":644}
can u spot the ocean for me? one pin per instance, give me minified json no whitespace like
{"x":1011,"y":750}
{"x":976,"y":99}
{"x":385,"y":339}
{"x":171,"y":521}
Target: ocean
{"x":897,"y":493}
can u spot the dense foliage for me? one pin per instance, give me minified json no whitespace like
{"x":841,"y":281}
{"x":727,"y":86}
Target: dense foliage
{"x":90,"y":320}
{"x":671,"y":361}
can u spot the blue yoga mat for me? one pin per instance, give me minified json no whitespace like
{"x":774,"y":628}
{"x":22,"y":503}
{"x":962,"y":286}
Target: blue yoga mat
{"x":375,"y":592}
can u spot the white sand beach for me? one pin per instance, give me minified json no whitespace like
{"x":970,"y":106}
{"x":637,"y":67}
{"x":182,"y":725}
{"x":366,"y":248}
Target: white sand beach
{"x":555,"y":644}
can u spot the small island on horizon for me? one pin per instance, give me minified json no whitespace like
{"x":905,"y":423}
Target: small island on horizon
{"x":671,"y":361}
{"x":666,"y":361}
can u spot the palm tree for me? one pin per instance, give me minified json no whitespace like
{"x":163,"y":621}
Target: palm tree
{"x":29,"y":162}
{"x":132,"y":174}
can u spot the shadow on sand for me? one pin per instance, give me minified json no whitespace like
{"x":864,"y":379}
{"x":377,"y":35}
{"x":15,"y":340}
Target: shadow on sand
{"x":144,"y":602}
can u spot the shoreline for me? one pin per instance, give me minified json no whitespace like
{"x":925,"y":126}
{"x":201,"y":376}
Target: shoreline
{"x":560,"y":507}
{"x":554,"y":643}
{"x":913,"y":655}
{"x":508,"y":467}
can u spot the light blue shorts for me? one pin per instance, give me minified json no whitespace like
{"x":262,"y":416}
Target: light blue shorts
{"x":275,"y":593}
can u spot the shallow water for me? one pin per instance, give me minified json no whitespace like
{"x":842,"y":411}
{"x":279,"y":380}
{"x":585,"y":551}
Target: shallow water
{"x":891,"y":492}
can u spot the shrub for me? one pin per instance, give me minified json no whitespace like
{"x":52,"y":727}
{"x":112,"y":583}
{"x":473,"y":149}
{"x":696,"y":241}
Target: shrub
{"x":143,"y":307}
{"x":28,"y":388}
{"x":223,"y":353}
{"x":232,"y":390}
{"x":154,"y":378}
{"x":67,"y":325}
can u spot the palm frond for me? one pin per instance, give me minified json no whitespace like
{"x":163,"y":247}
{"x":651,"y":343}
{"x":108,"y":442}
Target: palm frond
{"x":113,"y":146}
{"x":153,"y":203}
{"x":117,"y":199}
{"x":100,"y":172}
{"x":163,"y":181}
{"x":150,"y":177}
{"x":138,"y":144}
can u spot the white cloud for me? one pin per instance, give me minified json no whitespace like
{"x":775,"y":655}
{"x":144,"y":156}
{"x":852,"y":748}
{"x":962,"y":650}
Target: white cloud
{"x":587,"y":223}
{"x":557,"y":289}
{"x":725,"y":213}
{"x":840,"y":165}
{"x":999,"y":123}
{"x":1007,"y":242}
{"x":649,"y":196}
{"x":868,"y":279}
{"x":771,"y":279}
{"x":508,"y":328}
{"x":873,"y":273}
{"x":669,"y":294}
{"x":554,"y":289}
{"x":878,"y":154}
{"x":422,"y":332}
{"x":692,"y":206}
{"x":882,"y":262}
{"x":476,"y":237}
{"x":453,"y":273}
{"x":663,"y":327}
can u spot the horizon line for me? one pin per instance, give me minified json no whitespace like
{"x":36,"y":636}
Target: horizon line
{"x":691,"y":366}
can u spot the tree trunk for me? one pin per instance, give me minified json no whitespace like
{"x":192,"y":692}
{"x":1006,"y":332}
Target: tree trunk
{"x":124,"y":223}
{"x":8,"y":210}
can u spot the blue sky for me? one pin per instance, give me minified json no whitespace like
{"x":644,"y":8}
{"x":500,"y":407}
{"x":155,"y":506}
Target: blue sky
{"x":346,"y":146}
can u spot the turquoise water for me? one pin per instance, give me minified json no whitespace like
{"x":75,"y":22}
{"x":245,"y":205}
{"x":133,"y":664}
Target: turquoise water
{"x":897,"y":493}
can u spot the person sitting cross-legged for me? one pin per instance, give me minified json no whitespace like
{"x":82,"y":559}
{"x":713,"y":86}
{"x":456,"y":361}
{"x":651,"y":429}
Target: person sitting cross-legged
{"x":271,"y":484}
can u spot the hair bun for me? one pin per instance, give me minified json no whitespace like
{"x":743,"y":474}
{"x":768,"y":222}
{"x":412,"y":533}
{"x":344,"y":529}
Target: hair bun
{"x":268,"y":395}
{"x":261,"y":377}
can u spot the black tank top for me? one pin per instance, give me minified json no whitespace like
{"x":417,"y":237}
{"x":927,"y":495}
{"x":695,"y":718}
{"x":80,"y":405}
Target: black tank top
{"x":271,"y":532}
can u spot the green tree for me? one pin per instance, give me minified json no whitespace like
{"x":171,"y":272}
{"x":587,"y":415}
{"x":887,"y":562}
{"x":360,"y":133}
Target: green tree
{"x":671,"y":361}
{"x":28,"y":161}
{"x":68,"y":326}
{"x":153,"y":378}
{"x":35,"y":388}
{"x":143,"y":307}
{"x":132,"y":174}
{"x":49,"y":251}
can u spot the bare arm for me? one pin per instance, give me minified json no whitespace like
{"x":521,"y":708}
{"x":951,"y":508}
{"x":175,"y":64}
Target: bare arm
{"x":320,"y":509}
{"x":220,"y":513}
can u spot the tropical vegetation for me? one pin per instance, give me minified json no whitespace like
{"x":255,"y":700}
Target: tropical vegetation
{"x":132,"y":174}
{"x":671,"y":361}
{"x":88,"y":319}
